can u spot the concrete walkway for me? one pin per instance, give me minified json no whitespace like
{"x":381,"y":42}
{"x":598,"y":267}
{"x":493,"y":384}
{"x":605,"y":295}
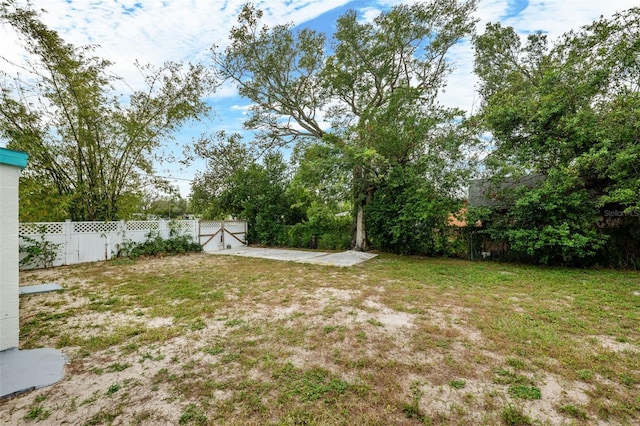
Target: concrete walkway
{"x":40,"y":288}
{"x":345,"y":258}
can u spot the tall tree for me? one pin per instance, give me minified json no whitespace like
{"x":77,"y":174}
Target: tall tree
{"x":570,"y":112}
{"x":88,"y":144}
{"x":351,"y":95}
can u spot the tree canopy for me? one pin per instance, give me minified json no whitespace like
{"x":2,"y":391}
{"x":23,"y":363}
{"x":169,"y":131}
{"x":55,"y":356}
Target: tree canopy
{"x":570,"y":112}
{"x":89,"y":149}
{"x":371,"y":94}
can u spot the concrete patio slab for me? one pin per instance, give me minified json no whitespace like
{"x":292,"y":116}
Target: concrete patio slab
{"x":347,"y":258}
{"x":25,"y":370}
{"x":40,"y":288}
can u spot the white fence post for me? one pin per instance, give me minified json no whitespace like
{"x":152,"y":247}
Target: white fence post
{"x":69,"y":249}
{"x":195,"y":231}
{"x":162,"y":229}
{"x":121,"y":235}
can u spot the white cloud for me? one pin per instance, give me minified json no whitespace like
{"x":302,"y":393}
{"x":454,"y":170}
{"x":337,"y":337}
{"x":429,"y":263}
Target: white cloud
{"x":369,"y":14}
{"x":243,"y":109}
{"x":158,"y":31}
{"x":553,"y":17}
{"x":224,"y":92}
{"x":557,"y":17}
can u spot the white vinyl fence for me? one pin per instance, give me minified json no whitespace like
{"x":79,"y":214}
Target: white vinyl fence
{"x":79,"y":242}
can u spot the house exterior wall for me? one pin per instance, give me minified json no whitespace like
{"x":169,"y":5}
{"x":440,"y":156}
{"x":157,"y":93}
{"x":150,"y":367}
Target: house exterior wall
{"x":484,"y":193}
{"x":11,"y":163}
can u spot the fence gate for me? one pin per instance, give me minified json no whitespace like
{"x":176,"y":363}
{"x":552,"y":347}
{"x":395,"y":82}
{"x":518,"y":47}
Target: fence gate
{"x":216,"y":235}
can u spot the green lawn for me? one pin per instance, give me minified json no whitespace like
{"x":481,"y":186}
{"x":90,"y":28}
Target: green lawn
{"x":204,"y":339}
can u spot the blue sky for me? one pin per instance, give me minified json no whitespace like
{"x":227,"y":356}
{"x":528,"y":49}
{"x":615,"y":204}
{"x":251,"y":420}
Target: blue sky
{"x":184,"y":30}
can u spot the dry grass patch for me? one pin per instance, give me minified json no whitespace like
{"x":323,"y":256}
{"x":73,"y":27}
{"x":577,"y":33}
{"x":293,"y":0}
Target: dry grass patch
{"x":201,"y":339}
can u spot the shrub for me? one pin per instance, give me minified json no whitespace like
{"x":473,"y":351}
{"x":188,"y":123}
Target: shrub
{"x":324,"y":230}
{"x":409,"y":215}
{"x":155,"y":245}
{"x":38,"y":252}
{"x":553,"y":223}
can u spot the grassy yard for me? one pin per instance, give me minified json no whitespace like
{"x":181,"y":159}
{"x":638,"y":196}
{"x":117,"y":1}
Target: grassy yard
{"x":204,"y":339}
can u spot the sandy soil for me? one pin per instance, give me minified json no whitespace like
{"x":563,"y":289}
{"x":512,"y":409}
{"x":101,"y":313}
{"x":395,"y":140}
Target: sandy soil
{"x":88,"y":393}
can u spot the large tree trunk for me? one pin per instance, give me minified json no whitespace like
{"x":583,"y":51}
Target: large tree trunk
{"x":360,"y":241}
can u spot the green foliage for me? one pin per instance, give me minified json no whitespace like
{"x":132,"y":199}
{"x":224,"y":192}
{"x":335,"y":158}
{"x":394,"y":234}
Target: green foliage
{"x":258,"y":195}
{"x":156,"y":245}
{"x":113,"y":389}
{"x":37,"y":191}
{"x":525,"y":392}
{"x":409,"y":215}
{"x":569,"y":112}
{"x":37,"y":413}
{"x":457,"y":384}
{"x":116,"y":366}
{"x":412,"y":410}
{"x":192,"y":414}
{"x":573,"y":411}
{"x":623,"y":247}
{"x":168,"y":207}
{"x":323,"y":230}
{"x":311,"y":385}
{"x":225,"y":156}
{"x":512,"y":416}
{"x":322,"y":175}
{"x":553,"y":223}
{"x":39,"y":252}
{"x":87,"y":149}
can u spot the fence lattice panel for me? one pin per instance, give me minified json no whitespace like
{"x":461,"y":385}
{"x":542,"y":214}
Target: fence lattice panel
{"x":94,"y":227}
{"x":142,"y":225}
{"x":37,"y":228}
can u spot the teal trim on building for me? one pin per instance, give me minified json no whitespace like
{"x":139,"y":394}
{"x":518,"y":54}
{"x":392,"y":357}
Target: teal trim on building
{"x":13,"y":158}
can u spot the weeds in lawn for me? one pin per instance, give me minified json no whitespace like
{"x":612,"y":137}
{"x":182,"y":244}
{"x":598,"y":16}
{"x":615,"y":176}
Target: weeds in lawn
{"x":412,"y":409}
{"x":457,"y":384}
{"x":310,"y":385}
{"x":102,"y":417}
{"x":525,"y":392}
{"x":515,"y":363}
{"x":113,"y":389}
{"x":116,"y":366}
{"x":192,"y":414}
{"x":585,"y":375}
{"x":329,"y":329}
{"x":573,"y":411}
{"x":512,"y":416}
{"x":226,"y":340}
{"x":36,"y":411}
{"x":375,"y":322}
{"x":215,"y":350}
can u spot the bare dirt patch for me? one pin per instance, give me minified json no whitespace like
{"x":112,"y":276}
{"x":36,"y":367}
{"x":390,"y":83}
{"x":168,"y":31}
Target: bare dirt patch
{"x":205,"y":339}
{"x":610,"y":343}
